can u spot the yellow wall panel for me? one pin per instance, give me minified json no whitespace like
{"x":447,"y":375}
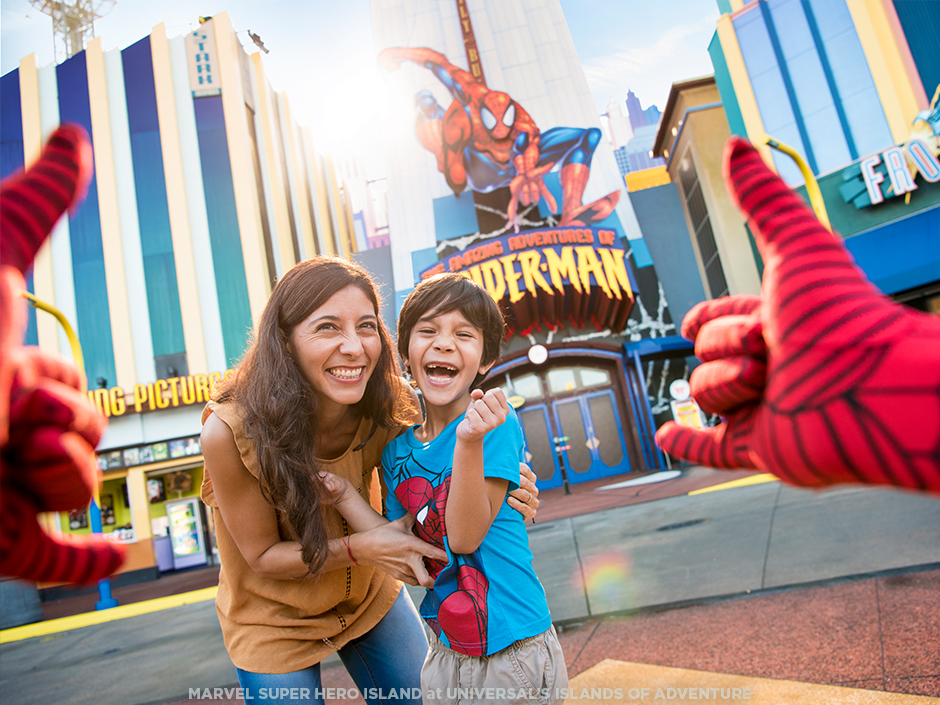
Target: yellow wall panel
{"x":275,"y":166}
{"x":315,"y":177}
{"x":243,"y":172}
{"x":140,"y":503}
{"x":177,"y":203}
{"x":337,"y":212}
{"x":898,"y":98}
{"x":743,"y":91}
{"x":109,"y":217}
{"x":43,"y":278}
{"x":293,"y":149}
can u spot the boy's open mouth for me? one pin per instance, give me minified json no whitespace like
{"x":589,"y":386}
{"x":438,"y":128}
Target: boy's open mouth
{"x":440,"y":373}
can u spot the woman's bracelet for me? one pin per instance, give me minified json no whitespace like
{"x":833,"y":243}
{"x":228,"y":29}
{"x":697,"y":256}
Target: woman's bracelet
{"x":345,"y":540}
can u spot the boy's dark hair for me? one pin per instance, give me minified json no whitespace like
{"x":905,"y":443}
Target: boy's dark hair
{"x":448,"y":292}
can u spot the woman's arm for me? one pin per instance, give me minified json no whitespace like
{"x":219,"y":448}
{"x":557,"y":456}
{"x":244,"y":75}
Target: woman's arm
{"x":252,"y":523}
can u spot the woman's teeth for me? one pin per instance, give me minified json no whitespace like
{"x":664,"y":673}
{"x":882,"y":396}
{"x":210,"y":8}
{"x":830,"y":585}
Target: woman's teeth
{"x":346,"y":372}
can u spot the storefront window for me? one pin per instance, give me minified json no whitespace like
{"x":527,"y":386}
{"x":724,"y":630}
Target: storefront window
{"x":594,"y":378}
{"x":562,"y":380}
{"x":528,"y":386}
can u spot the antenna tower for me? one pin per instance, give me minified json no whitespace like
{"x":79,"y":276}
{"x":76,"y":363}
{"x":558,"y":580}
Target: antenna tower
{"x":73,"y":21}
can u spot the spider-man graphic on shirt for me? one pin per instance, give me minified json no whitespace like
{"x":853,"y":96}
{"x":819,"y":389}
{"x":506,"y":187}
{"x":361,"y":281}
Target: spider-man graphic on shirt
{"x":483,"y":601}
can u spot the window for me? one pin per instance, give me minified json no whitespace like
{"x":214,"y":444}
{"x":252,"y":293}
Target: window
{"x":562,"y":380}
{"x":594,"y":378}
{"x":569,"y":379}
{"x":701,"y":225}
{"x":528,"y":386}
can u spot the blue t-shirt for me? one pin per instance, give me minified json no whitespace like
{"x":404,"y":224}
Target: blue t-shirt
{"x":483,"y":601}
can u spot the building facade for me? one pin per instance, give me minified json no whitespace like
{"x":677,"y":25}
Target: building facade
{"x":205,"y":191}
{"x":691,"y":138}
{"x":572,"y":271}
{"x":853,"y":88}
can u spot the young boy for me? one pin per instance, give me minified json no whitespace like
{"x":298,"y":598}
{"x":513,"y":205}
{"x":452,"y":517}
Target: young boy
{"x":492,"y":639}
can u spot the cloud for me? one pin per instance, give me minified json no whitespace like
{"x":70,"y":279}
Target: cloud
{"x":649,"y":69}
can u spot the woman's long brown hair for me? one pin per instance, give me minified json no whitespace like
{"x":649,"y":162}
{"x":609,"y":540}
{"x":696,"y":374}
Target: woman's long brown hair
{"x":279,"y":405}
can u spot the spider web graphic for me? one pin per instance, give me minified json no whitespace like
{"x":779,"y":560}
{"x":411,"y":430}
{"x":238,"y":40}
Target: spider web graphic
{"x":402,"y":471}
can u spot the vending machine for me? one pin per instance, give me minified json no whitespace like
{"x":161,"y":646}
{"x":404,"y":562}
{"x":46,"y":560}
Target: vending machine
{"x":186,"y":535}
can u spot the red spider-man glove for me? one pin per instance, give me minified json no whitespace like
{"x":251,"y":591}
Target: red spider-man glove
{"x":822,"y":380}
{"x":48,"y":429}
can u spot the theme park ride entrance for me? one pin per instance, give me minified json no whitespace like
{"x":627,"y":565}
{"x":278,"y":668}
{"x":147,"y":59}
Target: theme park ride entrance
{"x":582,"y":395}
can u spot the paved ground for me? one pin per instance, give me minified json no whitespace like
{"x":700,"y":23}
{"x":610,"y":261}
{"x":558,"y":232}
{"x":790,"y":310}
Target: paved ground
{"x":838,"y":588}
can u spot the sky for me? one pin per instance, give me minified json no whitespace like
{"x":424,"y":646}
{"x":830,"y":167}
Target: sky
{"x":322,"y":55}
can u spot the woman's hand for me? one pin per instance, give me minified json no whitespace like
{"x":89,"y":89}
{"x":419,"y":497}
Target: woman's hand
{"x":525,"y":500}
{"x":395,"y":550}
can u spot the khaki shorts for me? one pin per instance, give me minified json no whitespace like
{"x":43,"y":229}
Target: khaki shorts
{"x":529,"y":671}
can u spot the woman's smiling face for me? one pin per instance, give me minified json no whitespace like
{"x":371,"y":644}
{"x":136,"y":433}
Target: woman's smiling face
{"x":337,"y":346}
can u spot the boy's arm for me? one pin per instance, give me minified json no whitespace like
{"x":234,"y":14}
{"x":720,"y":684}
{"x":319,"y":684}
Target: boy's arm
{"x":474,"y":500}
{"x":358,"y":513}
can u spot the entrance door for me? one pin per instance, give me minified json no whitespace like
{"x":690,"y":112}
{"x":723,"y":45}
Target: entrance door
{"x":540,"y":446}
{"x":592,"y":423}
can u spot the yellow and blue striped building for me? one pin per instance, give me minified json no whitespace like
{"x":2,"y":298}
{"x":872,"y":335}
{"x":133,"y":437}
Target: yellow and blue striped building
{"x":205,"y":191}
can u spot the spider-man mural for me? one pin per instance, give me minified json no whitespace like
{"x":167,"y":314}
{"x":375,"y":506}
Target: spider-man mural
{"x":460,"y":587}
{"x":486,"y":140}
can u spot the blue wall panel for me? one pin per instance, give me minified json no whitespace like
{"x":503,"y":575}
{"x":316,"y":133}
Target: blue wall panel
{"x":901,"y":255}
{"x":455,"y":216}
{"x":166,"y":321}
{"x":11,"y":124}
{"x":224,"y":234}
{"x":729,"y":99}
{"x":921,"y":24}
{"x":91,"y":289}
{"x":659,"y":213}
{"x":11,"y":159}
{"x":378,"y":262}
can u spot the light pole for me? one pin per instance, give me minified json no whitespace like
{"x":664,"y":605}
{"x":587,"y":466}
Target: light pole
{"x":812,"y":186}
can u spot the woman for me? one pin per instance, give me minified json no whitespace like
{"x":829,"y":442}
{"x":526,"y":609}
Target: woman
{"x":319,"y":389}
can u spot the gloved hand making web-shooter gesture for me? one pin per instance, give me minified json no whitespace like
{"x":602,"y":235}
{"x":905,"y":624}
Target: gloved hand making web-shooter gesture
{"x":820,"y":380}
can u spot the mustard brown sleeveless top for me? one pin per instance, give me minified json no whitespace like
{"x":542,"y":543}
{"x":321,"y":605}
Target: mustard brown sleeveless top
{"x":282,"y":626}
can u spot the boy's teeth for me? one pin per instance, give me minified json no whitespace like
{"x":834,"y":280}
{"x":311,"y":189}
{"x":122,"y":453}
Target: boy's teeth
{"x":439,"y":372}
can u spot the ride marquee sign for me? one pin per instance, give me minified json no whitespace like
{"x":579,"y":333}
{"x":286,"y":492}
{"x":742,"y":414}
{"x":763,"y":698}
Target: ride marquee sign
{"x":551,"y":276}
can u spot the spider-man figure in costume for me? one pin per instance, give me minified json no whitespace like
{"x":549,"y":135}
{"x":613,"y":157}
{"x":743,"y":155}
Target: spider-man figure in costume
{"x":822,"y":379}
{"x":48,"y":428}
{"x":486,"y":139}
{"x":459,"y":594}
